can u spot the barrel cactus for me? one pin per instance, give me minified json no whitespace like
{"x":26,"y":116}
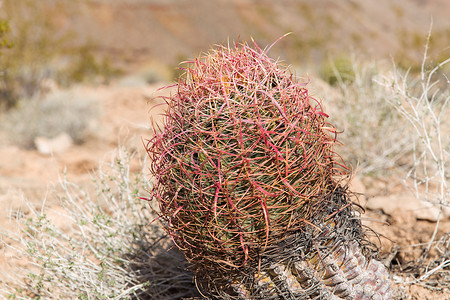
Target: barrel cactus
{"x":250,"y":188}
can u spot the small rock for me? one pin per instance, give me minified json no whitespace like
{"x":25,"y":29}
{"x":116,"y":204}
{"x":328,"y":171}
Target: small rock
{"x":407,"y":202}
{"x":58,"y":144}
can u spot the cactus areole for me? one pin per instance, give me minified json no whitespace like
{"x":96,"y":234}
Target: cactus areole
{"x":245,"y":173}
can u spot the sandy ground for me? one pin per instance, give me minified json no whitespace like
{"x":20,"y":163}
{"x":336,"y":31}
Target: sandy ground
{"x":125,"y":119}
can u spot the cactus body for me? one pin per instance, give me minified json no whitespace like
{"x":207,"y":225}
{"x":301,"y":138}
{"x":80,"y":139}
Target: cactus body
{"x":248,"y":186}
{"x":345,"y":273}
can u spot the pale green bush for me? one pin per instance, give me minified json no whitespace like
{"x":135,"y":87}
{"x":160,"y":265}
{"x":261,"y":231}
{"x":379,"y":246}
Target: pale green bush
{"x":69,"y":112}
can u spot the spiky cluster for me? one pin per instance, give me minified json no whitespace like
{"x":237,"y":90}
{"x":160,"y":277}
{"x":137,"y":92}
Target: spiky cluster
{"x":244,"y":155}
{"x":245,"y":171}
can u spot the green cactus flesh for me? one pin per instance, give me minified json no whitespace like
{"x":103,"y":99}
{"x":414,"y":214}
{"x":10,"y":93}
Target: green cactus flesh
{"x":249,"y":187}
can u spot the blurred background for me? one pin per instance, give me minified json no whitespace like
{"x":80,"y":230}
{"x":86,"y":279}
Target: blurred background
{"x":99,"y":40}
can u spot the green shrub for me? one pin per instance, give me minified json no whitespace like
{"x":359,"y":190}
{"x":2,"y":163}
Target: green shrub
{"x":5,"y":100}
{"x":87,"y":67}
{"x":4,"y":29}
{"x":337,"y":70}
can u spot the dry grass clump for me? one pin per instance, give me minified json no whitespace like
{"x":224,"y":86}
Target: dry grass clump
{"x":67,"y":112}
{"x":109,"y":247}
{"x":423,"y":101}
{"x":374,"y":136}
{"x":397,"y":120}
{"x":387,"y":117}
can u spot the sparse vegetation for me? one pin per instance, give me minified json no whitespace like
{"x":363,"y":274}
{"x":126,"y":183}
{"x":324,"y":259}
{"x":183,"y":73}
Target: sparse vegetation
{"x":110,"y":247}
{"x":60,"y":112}
{"x":408,"y":57}
{"x":4,"y":29}
{"x":423,"y":101}
{"x":358,"y":107}
{"x":338,"y":70}
{"x":86,"y":67}
{"x":396,"y":121}
{"x":43,"y":51}
{"x":5,"y":101}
